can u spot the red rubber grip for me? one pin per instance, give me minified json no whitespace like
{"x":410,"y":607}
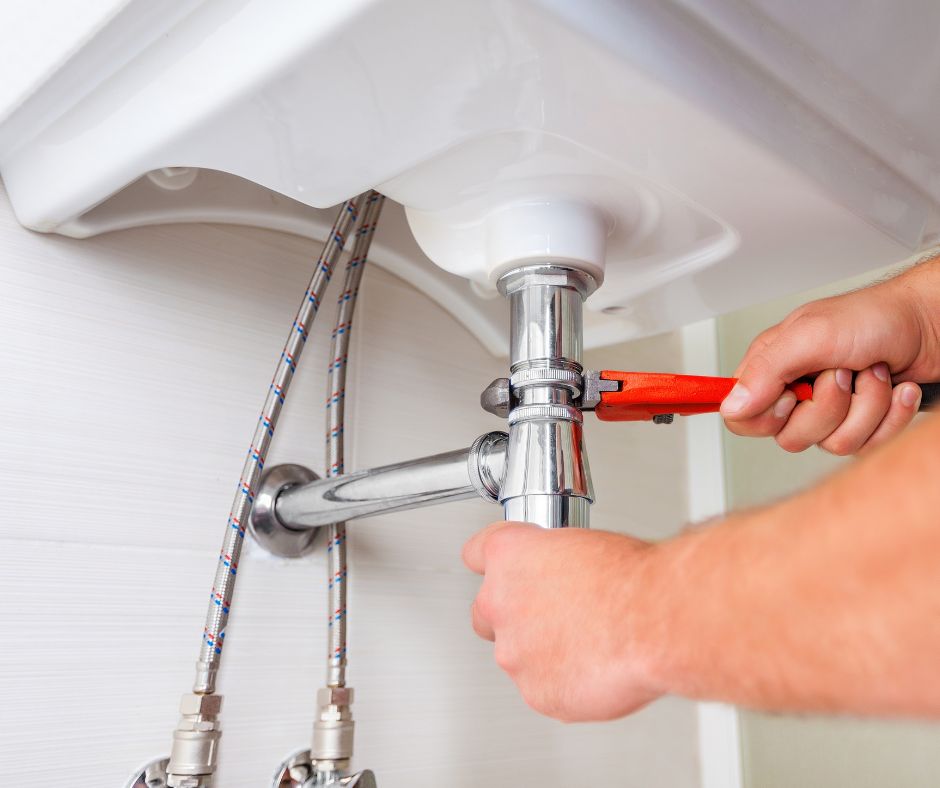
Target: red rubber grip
{"x":643,"y":395}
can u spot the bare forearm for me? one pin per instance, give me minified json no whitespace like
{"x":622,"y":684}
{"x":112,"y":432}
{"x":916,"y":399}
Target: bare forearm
{"x":828,"y":601}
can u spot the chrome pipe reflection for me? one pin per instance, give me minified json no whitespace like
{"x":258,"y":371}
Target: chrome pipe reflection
{"x":451,"y":476}
{"x":548,"y":481}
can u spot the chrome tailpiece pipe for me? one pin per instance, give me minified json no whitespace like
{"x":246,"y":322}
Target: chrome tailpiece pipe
{"x":548,"y":481}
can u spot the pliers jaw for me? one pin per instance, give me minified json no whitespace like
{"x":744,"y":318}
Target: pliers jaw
{"x":656,"y":396}
{"x":594,"y":387}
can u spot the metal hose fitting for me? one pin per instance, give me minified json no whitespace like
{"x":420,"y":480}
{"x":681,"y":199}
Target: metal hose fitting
{"x":195,"y":747}
{"x":333,"y":731}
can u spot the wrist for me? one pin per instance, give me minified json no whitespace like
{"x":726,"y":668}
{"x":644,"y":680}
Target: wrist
{"x":919,"y":288}
{"x":700,"y":593}
{"x":674,"y":626}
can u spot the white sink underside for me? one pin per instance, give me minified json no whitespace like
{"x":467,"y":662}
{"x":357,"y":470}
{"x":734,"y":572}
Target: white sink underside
{"x":734,"y":151}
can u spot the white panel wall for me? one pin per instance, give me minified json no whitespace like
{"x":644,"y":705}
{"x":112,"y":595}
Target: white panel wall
{"x":131,"y":370}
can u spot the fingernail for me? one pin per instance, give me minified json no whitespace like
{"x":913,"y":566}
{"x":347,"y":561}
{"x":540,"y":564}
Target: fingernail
{"x":881,"y":371}
{"x":783,"y":407}
{"x":844,"y":379}
{"x":737,"y":398}
{"x":910,"y":396}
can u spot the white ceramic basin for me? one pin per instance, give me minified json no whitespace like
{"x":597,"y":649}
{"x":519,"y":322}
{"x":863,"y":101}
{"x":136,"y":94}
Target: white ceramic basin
{"x":698,"y":156}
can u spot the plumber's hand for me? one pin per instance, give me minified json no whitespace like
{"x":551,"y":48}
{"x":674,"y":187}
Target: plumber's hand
{"x":557,"y":604}
{"x":887,"y":331}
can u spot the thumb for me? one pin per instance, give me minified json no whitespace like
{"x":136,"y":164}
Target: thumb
{"x":765,"y":374}
{"x":474,"y":551}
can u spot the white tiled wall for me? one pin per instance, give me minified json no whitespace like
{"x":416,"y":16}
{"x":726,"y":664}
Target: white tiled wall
{"x":131,"y":370}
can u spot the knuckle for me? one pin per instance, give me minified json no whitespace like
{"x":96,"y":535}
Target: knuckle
{"x":754,"y":428}
{"x":497,"y":544}
{"x":812,"y":325}
{"x":791,"y":444}
{"x":809,"y":332}
{"x":759,"y":363}
{"x":483,"y":608}
{"x":800,"y":313}
{"x":830,"y":408}
{"x":804,"y":316}
{"x":553,"y":706}
{"x":868,"y":377}
{"x":840,"y":447}
{"x":742,"y":428}
{"x":505,"y":657}
{"x":760,"y":343}
{"x":541,"y":700}
{"x":897,"y":419}
{"x":482,"y":631}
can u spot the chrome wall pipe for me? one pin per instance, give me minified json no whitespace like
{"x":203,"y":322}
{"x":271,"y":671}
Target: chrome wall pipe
{"x":299,"y":506}
{"x":450,"y":476}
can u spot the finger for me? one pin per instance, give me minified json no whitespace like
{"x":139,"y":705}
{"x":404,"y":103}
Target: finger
{"x":868,"y":407}
{"x":758,"y":345}
{"x":799,"y":348}
{"x":481,"y":626}
{"x":905,"y":400}
{"x":768,"y":423}
{"x":474,"y":551}
{"x":816,"y":419}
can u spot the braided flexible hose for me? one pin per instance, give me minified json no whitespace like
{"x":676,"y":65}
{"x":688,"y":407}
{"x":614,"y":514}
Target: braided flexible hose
{"x":220,"y":601}
{"x":335,"y":412}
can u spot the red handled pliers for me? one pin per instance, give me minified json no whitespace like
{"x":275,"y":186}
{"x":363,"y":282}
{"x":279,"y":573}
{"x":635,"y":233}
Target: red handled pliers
{"x":657,"y":396}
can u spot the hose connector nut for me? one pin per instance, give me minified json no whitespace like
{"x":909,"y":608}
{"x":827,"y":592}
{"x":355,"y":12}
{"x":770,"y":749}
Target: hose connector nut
{"x":195,"y":750}
{"x":335,"y":696}
{"x":198,"y":707}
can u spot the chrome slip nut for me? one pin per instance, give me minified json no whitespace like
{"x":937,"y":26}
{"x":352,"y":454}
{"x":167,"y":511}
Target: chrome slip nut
{"x":545,"y":375}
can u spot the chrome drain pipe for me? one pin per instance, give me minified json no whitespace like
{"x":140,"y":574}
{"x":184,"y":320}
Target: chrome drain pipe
{"x":539,"y":472}
{"x":286,"y":509}
{"x":548,"y":481}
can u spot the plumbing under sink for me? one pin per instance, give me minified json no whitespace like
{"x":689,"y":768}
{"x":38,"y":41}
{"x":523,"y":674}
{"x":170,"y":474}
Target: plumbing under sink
{"x":559,"y":174}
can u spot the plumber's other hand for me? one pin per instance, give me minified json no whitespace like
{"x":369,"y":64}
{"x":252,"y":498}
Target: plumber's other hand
{"x":887,"y":334}
{"x":558,"y":605}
